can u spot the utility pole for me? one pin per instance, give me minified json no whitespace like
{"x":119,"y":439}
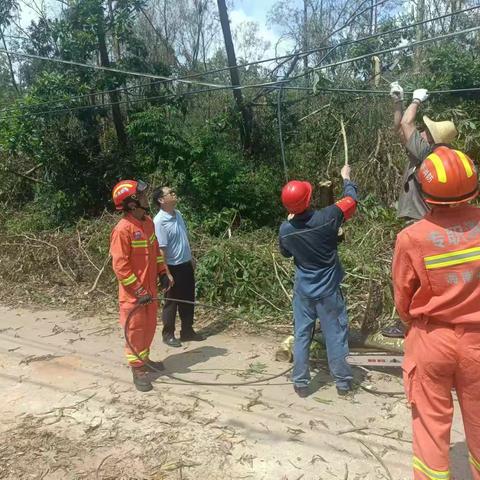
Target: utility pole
{"x":246,"y":123}
{"x":105,"y":62}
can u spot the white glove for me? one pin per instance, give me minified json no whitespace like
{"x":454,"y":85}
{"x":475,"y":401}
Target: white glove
{"x":420,"y":94}
{"x":396,"y":91}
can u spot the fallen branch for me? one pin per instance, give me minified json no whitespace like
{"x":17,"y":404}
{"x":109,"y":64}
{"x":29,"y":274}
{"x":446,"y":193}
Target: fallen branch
{"x":265,"y":299}
{"x":94,"y":286}
{"x":36,"y":167}
{"x":35,"y":239}
{"x":314,"y":112}
{"x":278,"y":278}
{"x":80,"y":246}
{"x":100,"y":466}
{"x":26,"y":177}
{"x":379,"y":459}
{"x":351,"y":430}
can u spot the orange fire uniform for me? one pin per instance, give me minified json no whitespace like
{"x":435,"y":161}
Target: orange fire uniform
{"x":436,"y":276}
{"x":137,"y":262}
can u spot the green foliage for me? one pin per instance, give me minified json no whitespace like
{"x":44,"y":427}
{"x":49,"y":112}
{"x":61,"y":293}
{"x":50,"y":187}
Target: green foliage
{"x":197,"y":163}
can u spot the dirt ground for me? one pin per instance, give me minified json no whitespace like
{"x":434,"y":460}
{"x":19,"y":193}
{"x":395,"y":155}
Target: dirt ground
{"x":69,"y":411}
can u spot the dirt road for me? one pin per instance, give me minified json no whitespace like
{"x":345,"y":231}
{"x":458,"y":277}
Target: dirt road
{"x":69,"y":411}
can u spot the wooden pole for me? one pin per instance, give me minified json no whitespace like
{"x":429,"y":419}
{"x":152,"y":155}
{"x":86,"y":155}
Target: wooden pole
{"x":345,"y":143}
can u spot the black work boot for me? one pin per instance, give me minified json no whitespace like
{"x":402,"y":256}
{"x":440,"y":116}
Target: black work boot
{"x":140,"y":379}
{"x":152,"y":366}
{"x":171,"y":341}
{"x":345,"y":391}
{"x":302,"y":391}
{"x":191,"y":336}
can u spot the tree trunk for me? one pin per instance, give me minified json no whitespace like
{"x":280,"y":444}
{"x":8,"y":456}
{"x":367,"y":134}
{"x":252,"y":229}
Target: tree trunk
{"x":114,"y":96}
{"x":246,"y":123}
{"x":305,"y":35}
{"x":455,"y":6}
{"x":419,"y":34}
{"x":10,"y":66}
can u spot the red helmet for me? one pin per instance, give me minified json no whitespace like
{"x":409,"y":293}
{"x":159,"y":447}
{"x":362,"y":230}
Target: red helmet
{"x":126,"y":190}
{"x":296,"y":196}
{"x":447,"y":177}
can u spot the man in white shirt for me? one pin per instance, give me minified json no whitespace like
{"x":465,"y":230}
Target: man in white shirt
{"x":172,"y":237}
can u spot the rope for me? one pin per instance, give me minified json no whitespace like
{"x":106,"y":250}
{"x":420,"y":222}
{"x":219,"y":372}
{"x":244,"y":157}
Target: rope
{"x":184,"y":380}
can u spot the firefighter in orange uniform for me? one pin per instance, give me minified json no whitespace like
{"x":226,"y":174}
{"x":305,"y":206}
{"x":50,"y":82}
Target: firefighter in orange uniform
{"x":137,"y":263}
{"x":436,"y":276}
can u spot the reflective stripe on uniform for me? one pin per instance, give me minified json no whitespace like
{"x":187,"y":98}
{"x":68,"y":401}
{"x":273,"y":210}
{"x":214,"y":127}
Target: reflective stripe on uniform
{"x":160,"y":260}
{"x":466,"y":163}
{"x":129,"y":280}
{"x":144,"y":354}
{"x":428,"y":472}
{"x":152,"y":239}
{"x":139,"y":244}
{"x":132,"y":358}
{"x":474,"y":461}
{"x":439,"y":168}
{"x":452,"y":258}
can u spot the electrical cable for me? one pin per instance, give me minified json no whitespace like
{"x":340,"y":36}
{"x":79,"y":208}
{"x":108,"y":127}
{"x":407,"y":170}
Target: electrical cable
{"x":195,"y":92}
{"x":208,"y":72}
{"x":387,"y":50}
{"x":109,"y":69}
{"x":383,"y":92}
{"x":184,"y":380}
{"x":120,"y":102}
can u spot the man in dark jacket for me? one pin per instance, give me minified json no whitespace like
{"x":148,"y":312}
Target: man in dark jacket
{"x":311,"y":238}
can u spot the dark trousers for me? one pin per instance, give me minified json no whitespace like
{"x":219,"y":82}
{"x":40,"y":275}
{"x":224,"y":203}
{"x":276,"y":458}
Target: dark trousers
{"x":183,"y":289}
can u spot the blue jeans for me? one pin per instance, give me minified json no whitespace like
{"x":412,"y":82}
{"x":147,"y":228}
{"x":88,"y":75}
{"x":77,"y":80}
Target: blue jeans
{"x":332,"y":313}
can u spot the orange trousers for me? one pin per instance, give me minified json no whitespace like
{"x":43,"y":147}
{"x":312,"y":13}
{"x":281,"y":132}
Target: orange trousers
{"x":437,"y":359}
{"x":141,"y":330}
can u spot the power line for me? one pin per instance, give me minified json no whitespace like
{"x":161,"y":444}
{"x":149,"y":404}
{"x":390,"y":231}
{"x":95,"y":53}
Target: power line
{"x":281,"y":82}
{"x":195,"y":92}
{"x":307,"y":52}
{"x":208,"y":72}
{"x":382,"y":92}
{"x":399,"y":29}
{"x":108,"y":69}
{"x":387,"y":50}
{"x":121,"y":102}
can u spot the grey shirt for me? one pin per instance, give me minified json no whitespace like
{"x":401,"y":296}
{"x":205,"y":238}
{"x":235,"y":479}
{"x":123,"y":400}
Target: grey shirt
{"x":410,"y":201}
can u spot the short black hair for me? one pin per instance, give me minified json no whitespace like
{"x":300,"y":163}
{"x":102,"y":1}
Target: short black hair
{"x":158,"y":194}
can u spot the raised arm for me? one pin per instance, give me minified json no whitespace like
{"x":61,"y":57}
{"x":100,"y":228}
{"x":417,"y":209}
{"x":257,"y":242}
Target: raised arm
{"x":396,"y":92}
{"x":408,"y":119}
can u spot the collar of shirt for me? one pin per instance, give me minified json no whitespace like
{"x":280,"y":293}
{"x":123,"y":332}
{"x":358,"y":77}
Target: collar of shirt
{"x":305,"y":216}
{"x":166,"y":215}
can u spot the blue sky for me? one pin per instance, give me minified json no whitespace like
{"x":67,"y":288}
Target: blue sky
{"x":242,"y":11}
{"x":257,"y":11}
